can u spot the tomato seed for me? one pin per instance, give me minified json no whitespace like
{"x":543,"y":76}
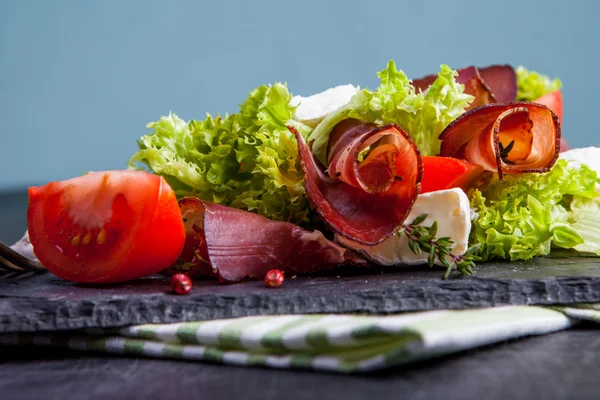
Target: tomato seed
{"x":76,"y":239}
{"x":101,"y":237}
{"x":87,"y":238}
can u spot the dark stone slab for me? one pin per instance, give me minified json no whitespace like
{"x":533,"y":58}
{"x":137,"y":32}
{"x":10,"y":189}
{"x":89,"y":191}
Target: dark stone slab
{"x":44,"y":302}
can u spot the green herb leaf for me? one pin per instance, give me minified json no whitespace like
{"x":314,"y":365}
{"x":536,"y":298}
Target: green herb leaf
{"x":504,"y":151}
{"x":419,"y":220}
{"x":422,"y":238}
{"x":363,"y":154}
{"x":414,"y":246}
{"x":433,"y":229}
{"x":431,"y":258}
{"x":473,"y":249}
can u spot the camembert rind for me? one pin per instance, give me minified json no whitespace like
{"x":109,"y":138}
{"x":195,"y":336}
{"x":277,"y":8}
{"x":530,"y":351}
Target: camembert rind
{"x":450,"y":208}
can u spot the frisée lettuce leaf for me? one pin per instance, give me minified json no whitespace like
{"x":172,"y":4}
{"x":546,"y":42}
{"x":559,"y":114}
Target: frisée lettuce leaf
{"x":585,"y":218}
{"x":532,"y":85}
{"x":247,"y":160}
{"x":422,"y":115}
{"x":523,"y":216}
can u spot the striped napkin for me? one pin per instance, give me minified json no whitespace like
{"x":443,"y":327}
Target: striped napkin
{"x":341,"y":343}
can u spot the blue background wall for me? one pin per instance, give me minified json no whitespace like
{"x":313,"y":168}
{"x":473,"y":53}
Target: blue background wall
{"x":80,"y":80}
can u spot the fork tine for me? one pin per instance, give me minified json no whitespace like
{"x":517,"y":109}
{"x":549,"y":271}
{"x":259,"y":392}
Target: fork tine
{"x":24,"y":275}
{"x":3,"y":269}
{"x":9,"y":275}
{"x":17,"y":262}
{"x":9,"y":266}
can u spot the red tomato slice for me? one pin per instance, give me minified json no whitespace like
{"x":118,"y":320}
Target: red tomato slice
{"x":554,"y":102}
{"x":105,"y":226}
{"x":441,"y":173}
{"x":194,"y":259}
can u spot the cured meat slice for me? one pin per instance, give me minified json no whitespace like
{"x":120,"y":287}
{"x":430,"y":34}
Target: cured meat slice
{"x":507,"y":138}
{"x":476,"y":87}
{"x":234,"y":244}
{"x":372,"y":180}
{"x":502,"y":80}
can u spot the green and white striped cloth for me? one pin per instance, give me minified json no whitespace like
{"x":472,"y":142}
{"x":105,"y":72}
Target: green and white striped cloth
{"x":342,"y":343}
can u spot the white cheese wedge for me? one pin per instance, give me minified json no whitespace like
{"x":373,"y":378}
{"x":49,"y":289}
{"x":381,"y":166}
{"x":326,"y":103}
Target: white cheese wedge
{"x":450,"y":208}
{"x":589,"y":156}
{"x":584,"y":155}
{"x":313,"y":109}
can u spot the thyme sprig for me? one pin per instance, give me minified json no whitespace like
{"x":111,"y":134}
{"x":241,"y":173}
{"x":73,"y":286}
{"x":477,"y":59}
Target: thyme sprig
{"x":504,"y":151}
{"x":421,"y":238}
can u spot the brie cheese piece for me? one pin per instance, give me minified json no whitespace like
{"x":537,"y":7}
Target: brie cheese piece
{"x":450,"y":208}
{"x":313,"y":109}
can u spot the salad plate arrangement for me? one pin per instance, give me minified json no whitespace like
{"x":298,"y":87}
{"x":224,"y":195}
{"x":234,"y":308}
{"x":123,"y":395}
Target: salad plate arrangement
{"x":450,"y":170}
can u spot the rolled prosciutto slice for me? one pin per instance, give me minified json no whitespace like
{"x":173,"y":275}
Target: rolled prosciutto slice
{"x":371,"y":182}
{"x":508,"y":138}
{"x":496,"y":83}
{"x":234,"y":244}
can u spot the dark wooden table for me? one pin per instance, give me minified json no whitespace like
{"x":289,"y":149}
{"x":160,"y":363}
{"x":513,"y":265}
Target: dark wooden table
{"x":564,"y":365}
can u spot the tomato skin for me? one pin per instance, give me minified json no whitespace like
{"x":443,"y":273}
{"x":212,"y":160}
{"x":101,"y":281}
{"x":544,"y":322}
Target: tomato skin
{"x":441,"y":173}
{"x":554,"y":101}
{"x":194,"y":259}
{"x":105,"y":227}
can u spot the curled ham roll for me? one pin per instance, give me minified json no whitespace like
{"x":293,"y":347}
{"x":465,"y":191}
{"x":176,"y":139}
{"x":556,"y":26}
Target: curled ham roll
{"x":370,"y":184}
{"x":508,"y":138}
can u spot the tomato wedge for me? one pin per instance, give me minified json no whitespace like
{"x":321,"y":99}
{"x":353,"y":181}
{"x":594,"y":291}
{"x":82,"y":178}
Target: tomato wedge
{"x":441,"y":173}
{"x":105,"y":227}
{"x":554,"y":102}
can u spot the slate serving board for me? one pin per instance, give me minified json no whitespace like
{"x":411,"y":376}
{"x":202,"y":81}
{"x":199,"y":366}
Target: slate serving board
{"x":46,"y":303}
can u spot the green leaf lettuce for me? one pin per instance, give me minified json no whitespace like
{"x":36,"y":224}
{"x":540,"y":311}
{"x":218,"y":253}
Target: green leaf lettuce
{"x":422,"y":115}
{"x":532,"y":85}
{"x":247,"y":160}
{"x":523,"y":216}
{"x":585,"y":218}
